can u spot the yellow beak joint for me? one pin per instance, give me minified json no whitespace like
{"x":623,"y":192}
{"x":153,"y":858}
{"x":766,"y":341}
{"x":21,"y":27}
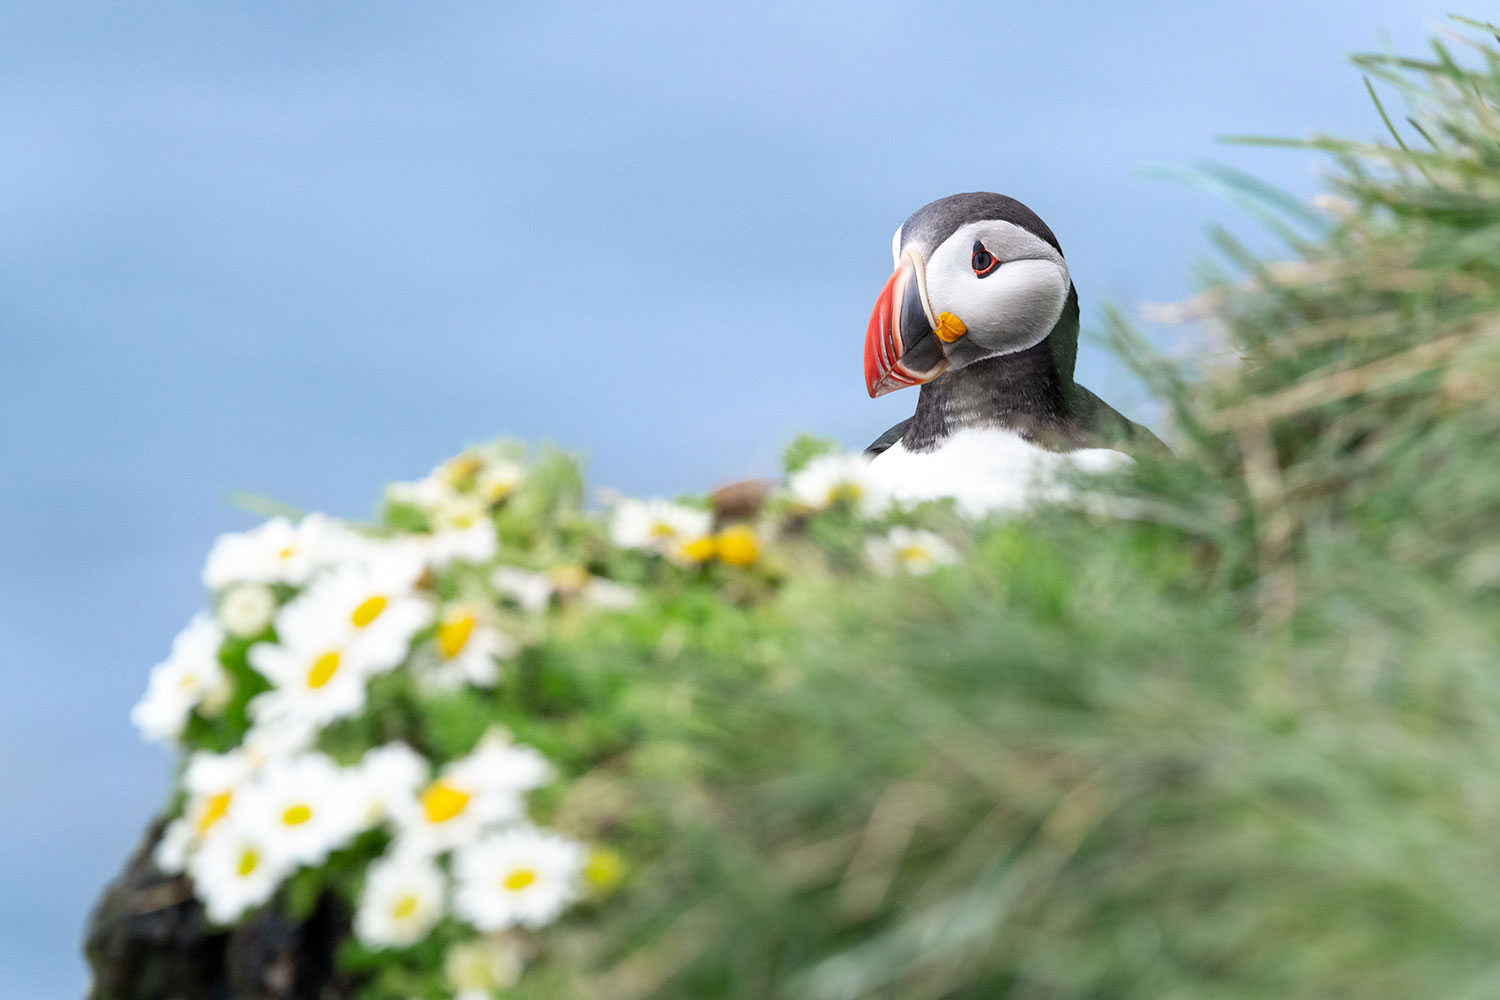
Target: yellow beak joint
{"x":949,"y":328}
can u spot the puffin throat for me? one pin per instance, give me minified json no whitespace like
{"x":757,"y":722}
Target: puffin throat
{"x":1028,"y":391}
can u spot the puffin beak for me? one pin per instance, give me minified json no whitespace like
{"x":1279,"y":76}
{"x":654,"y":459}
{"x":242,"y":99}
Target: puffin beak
{"x":901,"y":348}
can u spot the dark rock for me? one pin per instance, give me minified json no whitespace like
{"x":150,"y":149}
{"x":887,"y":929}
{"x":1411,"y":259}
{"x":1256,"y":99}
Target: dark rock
{"x":149,"y":940}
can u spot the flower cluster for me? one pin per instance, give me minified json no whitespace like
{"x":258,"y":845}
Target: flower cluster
{"x":308,"y":619}
{"x":305,"y":699}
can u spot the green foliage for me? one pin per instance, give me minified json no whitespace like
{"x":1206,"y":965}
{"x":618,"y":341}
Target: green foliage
{"x":803,"y":449}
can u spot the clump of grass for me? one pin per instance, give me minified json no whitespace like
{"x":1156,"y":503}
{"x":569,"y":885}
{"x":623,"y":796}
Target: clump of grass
{"x":1242,"y":744}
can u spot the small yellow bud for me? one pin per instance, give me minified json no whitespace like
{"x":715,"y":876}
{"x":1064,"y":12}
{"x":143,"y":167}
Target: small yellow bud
{"x":700,"y":549}
{"x":738,"y":545}
{"x":603,"y":870}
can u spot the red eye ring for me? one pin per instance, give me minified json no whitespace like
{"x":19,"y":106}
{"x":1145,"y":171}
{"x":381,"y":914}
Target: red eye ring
{"x":983,"y":262}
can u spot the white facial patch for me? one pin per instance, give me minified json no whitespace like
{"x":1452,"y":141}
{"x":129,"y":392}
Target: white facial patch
{"x":1014,"y":306}
{"x":896,"y":246}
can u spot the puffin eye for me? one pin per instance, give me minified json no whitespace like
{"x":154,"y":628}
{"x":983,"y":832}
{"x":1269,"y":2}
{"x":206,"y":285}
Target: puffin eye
{"x":983,"y":262}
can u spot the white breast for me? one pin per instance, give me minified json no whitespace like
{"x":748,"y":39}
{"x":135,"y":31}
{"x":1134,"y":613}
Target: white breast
{"x":986,"y":470}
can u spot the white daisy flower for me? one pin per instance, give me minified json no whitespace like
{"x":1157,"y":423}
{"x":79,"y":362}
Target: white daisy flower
{"x":212,"y":773}
{"x":498,"y":480}
{"x":607,"y":595}
{"x":464,"y":650}
{"x":488,"y":471}
{"x":486,"y":788}
{"x":374,"y":601}
{"x":424,"y":494}
{"x":318,"y":674}
{"x":909,"y":550}
{"x":531,"y":591}
{"x":277,"y":735}
{"x":244,"y":610}
{"x":828,"y":480}
{"x":503,"y":767}
{"x":458,"y":512}
{"x":178,"y":841}
{"x":305,"y":806}
{"x":236,"y":869}
{"x":523,"y":876}
{"x":276,"y":552}
{"x":402,"y":899}
{"x":661,"y":526}
{"x":475,"y":545}
{"x":191,"y":677}
{"x":479,"y":969}
{"x":386,"y":775}
{"x":211,"y":781}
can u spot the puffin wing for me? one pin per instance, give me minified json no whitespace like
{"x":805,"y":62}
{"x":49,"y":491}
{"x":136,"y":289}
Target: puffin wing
{"x":1106,"y":427}
{"x":887,"y":439}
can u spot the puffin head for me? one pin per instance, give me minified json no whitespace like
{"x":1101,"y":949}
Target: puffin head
{"x":977,"y":275}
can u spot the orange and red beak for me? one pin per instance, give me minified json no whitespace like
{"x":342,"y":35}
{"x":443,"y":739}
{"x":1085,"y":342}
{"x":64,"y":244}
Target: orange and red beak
{"x":901,"y":348}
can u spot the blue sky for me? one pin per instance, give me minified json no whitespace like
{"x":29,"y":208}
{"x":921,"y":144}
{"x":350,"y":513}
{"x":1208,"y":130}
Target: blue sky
{"x":301,"y":250}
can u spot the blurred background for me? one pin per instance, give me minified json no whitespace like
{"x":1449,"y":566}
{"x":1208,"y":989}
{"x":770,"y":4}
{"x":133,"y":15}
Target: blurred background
{"x":301,"y":250}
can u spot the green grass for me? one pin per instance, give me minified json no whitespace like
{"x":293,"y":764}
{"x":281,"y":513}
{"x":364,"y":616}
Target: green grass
{"x":1243,"y":743}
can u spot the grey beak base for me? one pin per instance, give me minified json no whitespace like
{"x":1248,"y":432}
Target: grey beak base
{"x":920,"y":350}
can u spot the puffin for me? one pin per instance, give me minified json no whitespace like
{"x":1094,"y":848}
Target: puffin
{"x":981,"y":313}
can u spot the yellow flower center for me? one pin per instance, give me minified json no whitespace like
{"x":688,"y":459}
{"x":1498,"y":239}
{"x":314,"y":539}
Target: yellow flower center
{"x":296,"y":815}
{"x":213,"y":811}
{"x":700,"y":549}
{"x":738,"y":546}
{"x":661,"y":529}
{"x":368,"y":610}
{"x":323,"y":669}
{"x":453,"y":634}
{"x":846,"y":493}
{"x":249,"y":861}
{"x":405,"y":907}
{"x":287,"y":552}
{"x":912,"y":554}
{"x":519,"y":879}
{"x":442,"y":801}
